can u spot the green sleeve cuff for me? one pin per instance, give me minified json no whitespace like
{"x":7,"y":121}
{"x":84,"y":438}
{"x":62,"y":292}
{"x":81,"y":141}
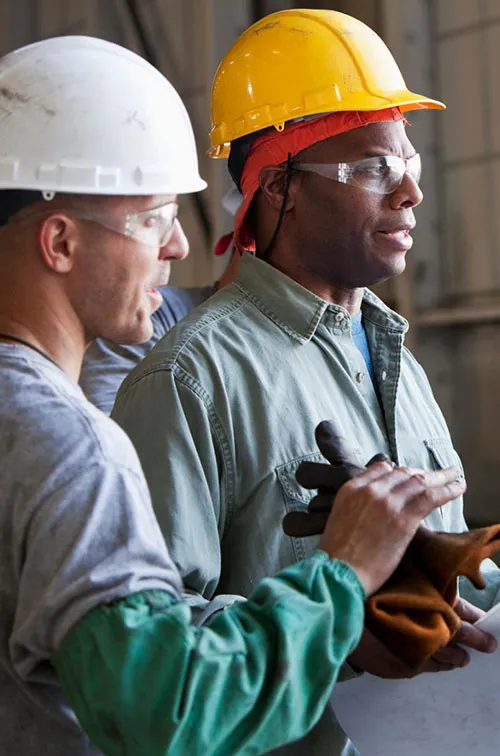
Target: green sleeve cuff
{"x":143,"y":680}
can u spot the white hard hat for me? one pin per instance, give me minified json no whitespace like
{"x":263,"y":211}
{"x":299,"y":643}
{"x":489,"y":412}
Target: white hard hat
{"x":82,"y":115}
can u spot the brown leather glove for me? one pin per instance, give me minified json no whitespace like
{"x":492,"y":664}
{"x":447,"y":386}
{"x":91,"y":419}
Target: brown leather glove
{"x":327,"y":479}
{"x":412,"y":614}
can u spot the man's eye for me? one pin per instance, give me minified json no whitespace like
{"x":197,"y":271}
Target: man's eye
{"x":151,"y":221}
{"x":379,"y":169}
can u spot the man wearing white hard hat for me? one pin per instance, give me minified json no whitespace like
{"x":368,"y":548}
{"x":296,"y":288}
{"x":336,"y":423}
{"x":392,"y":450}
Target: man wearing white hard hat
{"x":107,"y":364}
{"x":309,"y":108}
{"x":95,"y":146}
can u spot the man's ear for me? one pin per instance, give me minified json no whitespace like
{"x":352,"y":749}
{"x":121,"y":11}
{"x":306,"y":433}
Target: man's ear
{"x":57,"y":241}
{"x":272,"y":180}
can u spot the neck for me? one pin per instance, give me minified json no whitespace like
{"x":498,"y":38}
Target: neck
{"x":44,"y":331}
{"x":349,"y":299}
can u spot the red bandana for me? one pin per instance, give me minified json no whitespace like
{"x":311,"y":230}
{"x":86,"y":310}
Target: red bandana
{"x":273,"y":148}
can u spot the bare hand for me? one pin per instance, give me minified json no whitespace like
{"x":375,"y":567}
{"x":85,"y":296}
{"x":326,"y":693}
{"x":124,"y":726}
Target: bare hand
{"x":467,"y":635}
{"x":373,"y":657}
{"x":377,"y":514}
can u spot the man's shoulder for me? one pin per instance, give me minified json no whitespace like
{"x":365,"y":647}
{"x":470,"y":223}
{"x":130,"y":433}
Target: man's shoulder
{"x":177,"y":304}
{"x":48,"y":420}
{"x":199,"y":333}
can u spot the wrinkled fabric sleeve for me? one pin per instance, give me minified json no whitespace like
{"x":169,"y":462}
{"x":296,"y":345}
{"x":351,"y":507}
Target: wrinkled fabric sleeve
{"x":187,"y":460}
{"x":105,"y":367}
{"x":144,"y":681}
{"x":93,"y":540}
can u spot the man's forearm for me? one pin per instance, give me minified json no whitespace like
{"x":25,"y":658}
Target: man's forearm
{"x":140,"y":676}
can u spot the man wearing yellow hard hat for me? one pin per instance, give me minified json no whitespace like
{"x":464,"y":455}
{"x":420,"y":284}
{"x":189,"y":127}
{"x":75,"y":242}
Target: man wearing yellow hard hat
{"x":309,"y":107}
{"x":98,"y":652}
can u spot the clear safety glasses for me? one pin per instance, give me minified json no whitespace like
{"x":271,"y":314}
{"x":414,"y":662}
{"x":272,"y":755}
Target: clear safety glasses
{"x":382,"y":174}
{"x":152,"y":227}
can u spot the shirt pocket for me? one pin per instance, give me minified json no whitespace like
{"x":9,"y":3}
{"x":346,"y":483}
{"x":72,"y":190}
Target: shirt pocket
{"x":443,"y":454}
{"x":296,"y":499}
{"x":436,"y":454}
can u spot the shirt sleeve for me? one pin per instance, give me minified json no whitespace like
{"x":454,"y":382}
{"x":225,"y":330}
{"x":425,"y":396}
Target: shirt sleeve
{"x":257,"y":676}
{"x":92,"y":540}
{"x":105,"y":367}
{"x":188,"y":466}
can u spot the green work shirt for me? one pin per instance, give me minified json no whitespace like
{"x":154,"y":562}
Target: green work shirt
{"x":224,"y":409}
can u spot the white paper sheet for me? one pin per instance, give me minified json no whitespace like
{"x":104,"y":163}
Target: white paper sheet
{"x":446,"y":714}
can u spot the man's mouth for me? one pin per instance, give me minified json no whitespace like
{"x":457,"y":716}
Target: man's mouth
{"x":399,"y":238}
{"x":155,"y":296}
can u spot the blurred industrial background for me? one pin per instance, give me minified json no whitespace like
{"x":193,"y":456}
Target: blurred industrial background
{"x":448,"y":49}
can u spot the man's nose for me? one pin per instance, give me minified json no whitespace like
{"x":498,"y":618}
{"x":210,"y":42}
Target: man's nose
{"x":177,"y":247}
{"x":408,"y":193}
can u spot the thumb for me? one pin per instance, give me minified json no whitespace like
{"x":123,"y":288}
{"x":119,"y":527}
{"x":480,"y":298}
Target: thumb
{"x":334,"y":446}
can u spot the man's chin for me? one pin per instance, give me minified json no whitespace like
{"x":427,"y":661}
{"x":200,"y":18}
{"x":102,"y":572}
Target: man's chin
{"x":138,"y":334}
{"x":389,"y":268}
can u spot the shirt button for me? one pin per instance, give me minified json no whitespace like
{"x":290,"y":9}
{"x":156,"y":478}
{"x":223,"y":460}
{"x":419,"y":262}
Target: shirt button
{"x":360,"y":377}
{"x":384,"y":375}
{"x":339,"y":317}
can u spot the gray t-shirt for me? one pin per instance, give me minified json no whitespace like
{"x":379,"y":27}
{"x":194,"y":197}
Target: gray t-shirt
{"x":106,"y":365}
{"x":76,"y":530}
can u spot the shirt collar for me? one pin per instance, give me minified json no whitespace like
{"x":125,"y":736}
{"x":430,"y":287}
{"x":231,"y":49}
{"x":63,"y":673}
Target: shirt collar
{"x":297,"y":310}
{"x":375,"y":310}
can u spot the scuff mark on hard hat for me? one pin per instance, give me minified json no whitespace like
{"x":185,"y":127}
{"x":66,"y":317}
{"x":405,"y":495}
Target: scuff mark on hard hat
{"x":134,"y":118}
{"x":18,"y":97}
{"x":266,"y":27}
{"x":9,"y":94}
{"x":274,"y":24}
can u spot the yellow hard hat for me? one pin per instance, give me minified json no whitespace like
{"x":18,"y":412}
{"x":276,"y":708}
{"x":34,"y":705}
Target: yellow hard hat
{"x":298,"y":63}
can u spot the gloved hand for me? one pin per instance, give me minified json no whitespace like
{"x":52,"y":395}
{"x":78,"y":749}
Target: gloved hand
{"x":415,"y":614}
{"x":344,"y":465}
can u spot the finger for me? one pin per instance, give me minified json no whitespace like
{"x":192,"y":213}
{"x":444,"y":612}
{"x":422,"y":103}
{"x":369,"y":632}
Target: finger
{"x":391,"y":482}
{"x":433,"y":665}
{"x":373,"y":473}
{"x":452,"y":656}
{"x":418,"y":482}
{"x":431,"y":496}
{"x":334,"y":446}
{"x":420,"y":492}
{"x":380,"y":458}
{"x":474,"y":637}
{"x":323,"y":502}
{"x":303,"y":524}
{"x":319,"y":475}
{"x":327,"y":478}
{"x":467,"y":611}
{"x":404,"y":483}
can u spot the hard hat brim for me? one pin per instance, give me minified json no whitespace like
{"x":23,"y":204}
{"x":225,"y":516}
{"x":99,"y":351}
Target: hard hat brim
{"x":405,"y":100}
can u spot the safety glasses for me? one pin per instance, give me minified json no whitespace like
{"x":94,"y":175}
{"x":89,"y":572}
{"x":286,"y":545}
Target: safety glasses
{"x":152,"y":227}
{"x":381,"y":174}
